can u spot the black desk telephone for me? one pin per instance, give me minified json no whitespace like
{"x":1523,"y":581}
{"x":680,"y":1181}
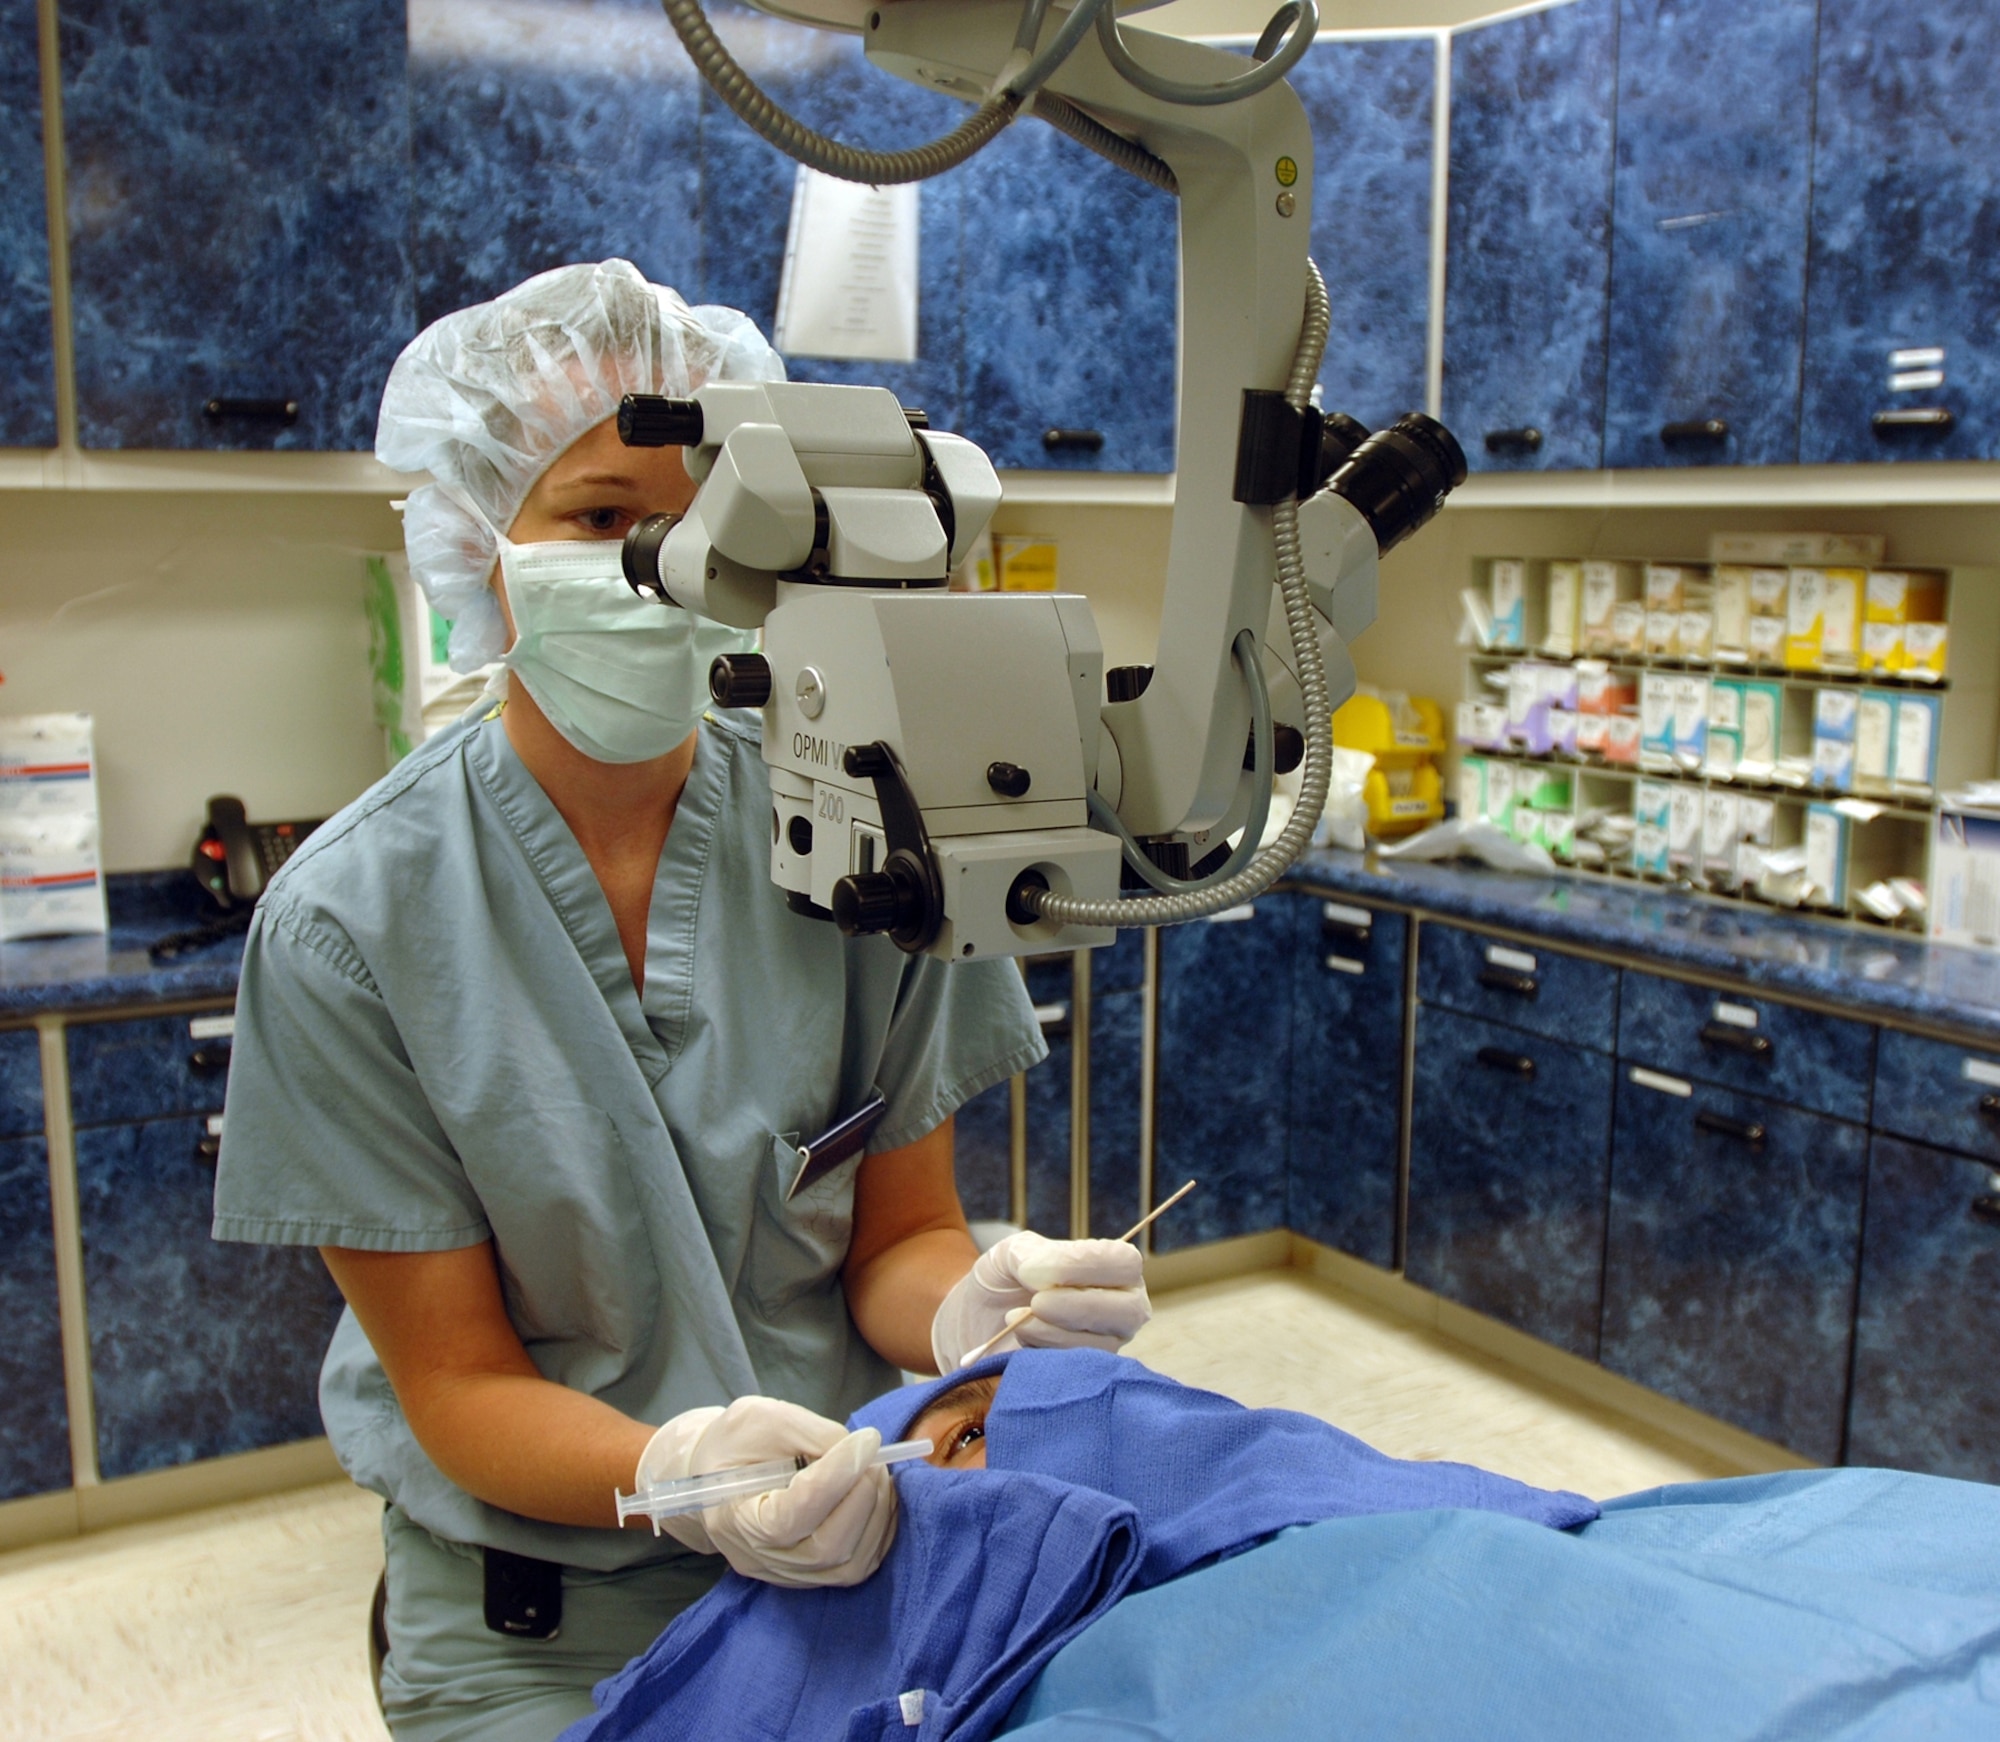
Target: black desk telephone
{"x":233,"y":860}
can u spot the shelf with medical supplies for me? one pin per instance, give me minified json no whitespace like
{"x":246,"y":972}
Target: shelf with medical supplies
{"x":1779,"y":725}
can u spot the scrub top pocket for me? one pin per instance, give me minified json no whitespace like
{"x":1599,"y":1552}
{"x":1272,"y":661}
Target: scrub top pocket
{"x":798,"y":1245}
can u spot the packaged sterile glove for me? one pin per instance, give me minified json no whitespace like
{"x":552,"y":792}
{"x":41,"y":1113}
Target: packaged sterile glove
{"x":831,"y":1526}
{"x":1087,"y":1294}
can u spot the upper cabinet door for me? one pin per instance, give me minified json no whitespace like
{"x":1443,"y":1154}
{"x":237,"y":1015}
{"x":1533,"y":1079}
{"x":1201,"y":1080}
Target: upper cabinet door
{"x":747,"y":186}
{"x":1071,"y":289}
{"x":1528,"y":240}
{"x":546,"y":134}
{"x":27,"y":339}
{"x":1372,"y":106}
{"x":1903,"y":318}
{"x":1708,"y":253}
{"x":238,"y":189}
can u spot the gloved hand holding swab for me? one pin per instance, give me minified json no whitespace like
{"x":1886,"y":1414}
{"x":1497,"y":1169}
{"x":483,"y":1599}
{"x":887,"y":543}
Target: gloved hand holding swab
{"x":686,"y":1494}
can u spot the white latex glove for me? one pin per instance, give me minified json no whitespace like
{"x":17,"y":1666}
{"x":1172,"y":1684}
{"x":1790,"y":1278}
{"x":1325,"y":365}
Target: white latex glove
{"x":1086,"y":1294}
{"x":831,"y":1526}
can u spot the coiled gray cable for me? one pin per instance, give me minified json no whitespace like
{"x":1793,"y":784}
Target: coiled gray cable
{"x":1263,"y":74}
{"x":816,"y":150}
{"x":1272,"y":861}
{"x":1128,"y":154}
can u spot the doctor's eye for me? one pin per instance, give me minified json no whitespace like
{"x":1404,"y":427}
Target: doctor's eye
{"x":603,"y":522}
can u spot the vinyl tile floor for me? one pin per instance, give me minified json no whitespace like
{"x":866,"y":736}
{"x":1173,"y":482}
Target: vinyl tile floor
{"x":247,"y":1623}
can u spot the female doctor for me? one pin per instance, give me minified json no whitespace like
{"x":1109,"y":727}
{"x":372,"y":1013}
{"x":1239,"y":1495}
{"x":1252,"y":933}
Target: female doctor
{"x":527,"y":1042}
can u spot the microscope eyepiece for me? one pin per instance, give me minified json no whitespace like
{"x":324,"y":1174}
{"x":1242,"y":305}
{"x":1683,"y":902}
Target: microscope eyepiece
{"x":1399,"y":477}
{"x":640,"y":556}
{"x":651,"y":420}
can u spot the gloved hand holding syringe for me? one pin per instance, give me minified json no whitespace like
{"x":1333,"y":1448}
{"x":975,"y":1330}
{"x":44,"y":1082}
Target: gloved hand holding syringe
{"x":690,"y":1494}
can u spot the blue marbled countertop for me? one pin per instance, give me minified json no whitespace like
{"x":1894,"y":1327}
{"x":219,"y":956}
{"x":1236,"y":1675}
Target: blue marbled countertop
{"x":1877,"y":973}
{"x":97,"y":973}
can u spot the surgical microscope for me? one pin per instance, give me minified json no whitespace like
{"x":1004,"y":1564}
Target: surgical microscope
{"x":959,"y":770}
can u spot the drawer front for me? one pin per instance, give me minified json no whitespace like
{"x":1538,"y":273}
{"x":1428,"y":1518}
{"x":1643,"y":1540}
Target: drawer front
{"x":146,"y":1067}
{"x":198,"y":1347}
{"x":1523,"y":985}
{"x":20,"y":1083}
{"x":1938,"y":1093}
{"x":1734,"y":1242}
{"x":34,"y":1411}
{"x":1347,"y":1071}
{"x":1509,"y":1153}
{"x":1823,"y":1063}
{"x":1224,"y":1081}
{"x":1926,"y":1385}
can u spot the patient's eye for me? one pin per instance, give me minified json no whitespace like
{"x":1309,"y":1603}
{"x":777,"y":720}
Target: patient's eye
{"x":964,"y":1437}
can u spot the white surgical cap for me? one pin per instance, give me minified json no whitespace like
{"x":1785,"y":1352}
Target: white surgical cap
{"x":486,"y":399}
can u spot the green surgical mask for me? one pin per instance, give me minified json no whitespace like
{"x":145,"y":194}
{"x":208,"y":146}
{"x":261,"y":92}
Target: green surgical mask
{"x":622,"y":678}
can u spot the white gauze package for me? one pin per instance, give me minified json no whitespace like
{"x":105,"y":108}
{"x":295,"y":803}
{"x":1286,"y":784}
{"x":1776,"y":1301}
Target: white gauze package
{"x":51,"y":880}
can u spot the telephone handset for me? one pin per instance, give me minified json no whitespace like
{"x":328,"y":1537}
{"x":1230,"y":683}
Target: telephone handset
{"x":235,"y":857}
{"x":233,"y":860}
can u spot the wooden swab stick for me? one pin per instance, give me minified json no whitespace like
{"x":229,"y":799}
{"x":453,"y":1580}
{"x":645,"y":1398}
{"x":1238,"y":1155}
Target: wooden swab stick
{"x":1020,"y":1314}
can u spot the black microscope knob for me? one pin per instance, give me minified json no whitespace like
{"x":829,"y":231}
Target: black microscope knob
{"x":740,"y":680}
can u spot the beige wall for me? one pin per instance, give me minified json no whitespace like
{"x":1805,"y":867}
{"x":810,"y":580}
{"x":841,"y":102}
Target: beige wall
{"x":218,"y":640}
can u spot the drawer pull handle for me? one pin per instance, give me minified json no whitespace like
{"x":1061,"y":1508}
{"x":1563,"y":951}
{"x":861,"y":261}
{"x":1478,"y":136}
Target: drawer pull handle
{"x":207,"y":1149}
{"x":1986,"y":1208}
{"x":1338,"y":931}
{"x":1514,"y":441}
{"x":280,"y":411}
{"x":1742,"y":1130}
{"x":1744,"y":1040}
{"x":210,"y":1061}
{"x":1505,"y":980}
{"x":1053,"y":1020}
{"x":1496,"y":1058}
{"x":1073,"y":441}
{"x":1932,"y":419}
{"x":1695,"y":431}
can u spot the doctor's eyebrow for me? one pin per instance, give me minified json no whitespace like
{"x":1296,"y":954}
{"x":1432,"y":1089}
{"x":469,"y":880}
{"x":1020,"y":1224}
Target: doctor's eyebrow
{"x":594,"y":481}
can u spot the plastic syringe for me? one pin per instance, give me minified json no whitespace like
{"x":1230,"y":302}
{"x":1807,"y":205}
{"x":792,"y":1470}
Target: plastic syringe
{"x":688,"y":1494}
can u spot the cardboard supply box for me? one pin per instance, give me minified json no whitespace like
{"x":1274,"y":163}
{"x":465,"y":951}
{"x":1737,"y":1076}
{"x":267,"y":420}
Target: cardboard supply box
{"x":1024,"y":564}
{"x":1784,"y":549}
{"x":1516,"y":620}
{"x":1805,"y":619}
{"x":1965,"y":879}
{"x":1732,"y":611}
{"x":1656,"y":719}
{"x":1833,"y":739}
{"x":1563,"y":610}
{"x":1823,"y":629}
{"x":1826,"y":855}
{"x":1606,"y":586}
{"x":1874,"y":740}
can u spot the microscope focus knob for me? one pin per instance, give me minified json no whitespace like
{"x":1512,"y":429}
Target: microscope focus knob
{"x":740,"y":680}
{"x":651,"y":420}
{"x":866,"y":903}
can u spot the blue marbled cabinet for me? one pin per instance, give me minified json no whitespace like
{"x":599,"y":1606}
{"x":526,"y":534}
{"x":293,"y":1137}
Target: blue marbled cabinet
{"x":1225,"y":1061}
{"x":27,"y":338}
{"x":1937,"y":1092}
{"x":1347,"y":1069}
{"x":1708,"y":256}
{"x":1051,"y":986}
{"x":1730,"y":1268}
{"x":981,"y":1153}
{"x":1117,"y":1030}
{"x":1528,"y":237}
{"x":1926,"y":1387}
{"x":1509,"y":1162}
{"x":1824,"y":1063}
{"x":239,"y":204}
{"x":20,"y":1083}
{"x":1071,"y":282}
{"x":197,"y":1348}
{"x":34,"y":1418}
{"x":1371,"y":106}
{"x":1906,"y":228}
{"x":746,"y":194}
{"x":138,"y":1067}
{"x":1525,"y":985}
{"x":544,"y":134}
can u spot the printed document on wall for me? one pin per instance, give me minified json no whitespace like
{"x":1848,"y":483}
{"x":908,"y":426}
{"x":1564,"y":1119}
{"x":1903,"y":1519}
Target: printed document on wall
{"x":849,"y":287}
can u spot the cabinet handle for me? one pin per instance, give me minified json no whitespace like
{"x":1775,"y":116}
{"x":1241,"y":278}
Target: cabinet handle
{"x":1338,"y":931}
{"x":1747,"y":1041}
{"x":209,"y":1061}
{"x":1497,"y":1058}
{"x":1503,"y":980}
{"x":1054,"y":1021}
{"x":1986,"y":1208}
{"x":1934,"y":419}
{"x":285,"y":411}
{"x":206,"y":1149}
{"x":1073,"y":441}
{"x":1742,"y":1130}
{"x":1695,"y":431}
{"x":1527,"y":440}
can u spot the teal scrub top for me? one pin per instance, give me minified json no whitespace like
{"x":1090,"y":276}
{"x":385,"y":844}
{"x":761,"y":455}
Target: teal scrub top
{"x":438,"y":1042}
